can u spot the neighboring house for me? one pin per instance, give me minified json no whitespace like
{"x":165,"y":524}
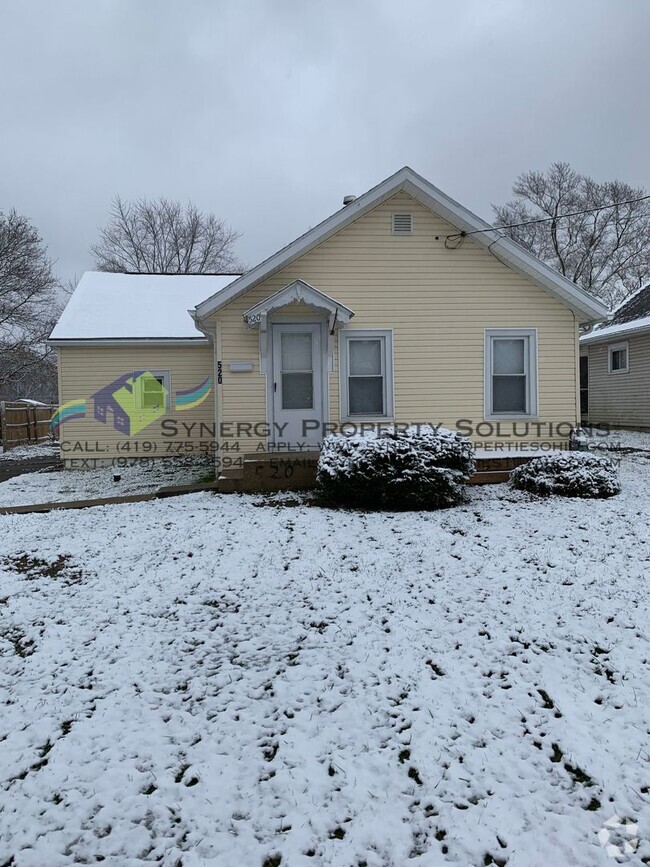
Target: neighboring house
{"x":615,"y":366}
{"x":375,"y":316}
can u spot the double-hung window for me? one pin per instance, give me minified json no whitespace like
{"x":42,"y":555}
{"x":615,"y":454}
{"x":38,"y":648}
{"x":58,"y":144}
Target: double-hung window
{"x":152,"y":390}
{"x":510,"y":373}
{"x":366,"y":363}
{"x":618,"y":357}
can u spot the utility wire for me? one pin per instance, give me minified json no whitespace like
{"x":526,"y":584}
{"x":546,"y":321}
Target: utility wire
{"x":462,"y":235}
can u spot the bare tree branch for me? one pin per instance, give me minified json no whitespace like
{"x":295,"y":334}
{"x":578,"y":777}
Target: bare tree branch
{"x":606,"y":252}
{"x":164,"y":237}
{"x":28,"y":301}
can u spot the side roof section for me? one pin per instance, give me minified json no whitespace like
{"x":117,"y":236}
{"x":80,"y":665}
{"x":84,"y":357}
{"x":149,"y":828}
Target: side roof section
{"x":108,"y":306}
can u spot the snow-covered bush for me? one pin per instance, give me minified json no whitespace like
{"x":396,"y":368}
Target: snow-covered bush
{"x":574,"y":474}
{"x":416,"y":468}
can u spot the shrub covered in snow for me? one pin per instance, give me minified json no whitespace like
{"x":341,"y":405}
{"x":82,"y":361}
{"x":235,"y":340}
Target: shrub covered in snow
{"x":574,"y":474}
{"x":416,"y":468}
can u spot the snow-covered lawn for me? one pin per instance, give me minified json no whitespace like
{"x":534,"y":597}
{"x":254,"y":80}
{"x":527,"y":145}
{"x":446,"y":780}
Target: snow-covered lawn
{"x":225,"y":681}
{"x":29,"y":452}
{"x":138,"y":477}
{"x":614,"y":440}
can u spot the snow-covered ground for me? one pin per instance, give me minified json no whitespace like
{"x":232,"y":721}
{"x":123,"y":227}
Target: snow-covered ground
{"x":235,"y":681}
{"x":138,"y":477}
{"x":615,"y":440}
{"x":23,"y":453}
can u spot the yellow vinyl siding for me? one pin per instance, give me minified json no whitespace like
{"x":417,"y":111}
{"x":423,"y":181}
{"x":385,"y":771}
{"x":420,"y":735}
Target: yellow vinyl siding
{"x":438,"y":303}
{"x":83,"y":370}
{"x":620,"y":398}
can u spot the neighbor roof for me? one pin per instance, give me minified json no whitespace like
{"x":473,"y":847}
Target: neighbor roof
{"x":507,"y":251}
{"x":633,"y":315}
{"x":107,"y":306}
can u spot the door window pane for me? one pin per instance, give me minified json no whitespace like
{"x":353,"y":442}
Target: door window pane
{"x":509,"y":394}
{"x":508,"y":356}
{"x":297,"y":391}
{"x":366,"y":395}
{"x":365,"y":358}
{"x":296,"y":350}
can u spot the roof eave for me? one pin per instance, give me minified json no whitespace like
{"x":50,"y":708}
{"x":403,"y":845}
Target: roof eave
{"x":317,"y":235}
{"x":606,"y":337}
{"x":119,"y":341}
{"x":507,"y":251}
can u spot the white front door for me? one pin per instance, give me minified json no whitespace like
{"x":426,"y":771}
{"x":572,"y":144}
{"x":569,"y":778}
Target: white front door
{"x":297,"y":386}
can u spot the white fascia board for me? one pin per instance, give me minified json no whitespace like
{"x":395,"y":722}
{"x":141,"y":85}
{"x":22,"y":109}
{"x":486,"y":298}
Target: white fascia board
{"x":507,"y":251}
{"x":333,"y":224}
{"x":614,"y":332}
{"x":129,"y":341}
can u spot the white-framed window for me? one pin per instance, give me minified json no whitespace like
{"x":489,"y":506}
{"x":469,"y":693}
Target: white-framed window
{"x":153,"y":389}
{"x":618,"y":357}
{"x":510,"y":373}
{"x":366,"y":366}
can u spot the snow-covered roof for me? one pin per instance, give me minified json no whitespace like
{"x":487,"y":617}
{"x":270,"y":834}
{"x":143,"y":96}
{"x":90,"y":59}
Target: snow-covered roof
{"x":107,"y":306}
{"x":632,"y":316}
{"x":640,"y":326}
{"x":503,"y":248}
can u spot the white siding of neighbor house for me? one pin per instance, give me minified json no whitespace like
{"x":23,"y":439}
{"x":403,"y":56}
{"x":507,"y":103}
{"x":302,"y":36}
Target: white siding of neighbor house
{"x":438,"y":302}
{"x":620,"y":398}
{"x":83,"y":370}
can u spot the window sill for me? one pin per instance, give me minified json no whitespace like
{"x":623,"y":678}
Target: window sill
{"x":511,"y":417}
{"x":618,"y":372}
{"x":361,"y":419}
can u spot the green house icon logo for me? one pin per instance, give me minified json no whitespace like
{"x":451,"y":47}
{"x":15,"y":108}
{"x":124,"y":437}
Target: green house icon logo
{"x":143,"y":399}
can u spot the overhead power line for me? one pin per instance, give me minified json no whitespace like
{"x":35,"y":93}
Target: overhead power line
{"x":460,"y":236}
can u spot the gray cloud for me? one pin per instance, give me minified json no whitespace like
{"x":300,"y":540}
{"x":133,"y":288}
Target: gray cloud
{"x":268,"y":111}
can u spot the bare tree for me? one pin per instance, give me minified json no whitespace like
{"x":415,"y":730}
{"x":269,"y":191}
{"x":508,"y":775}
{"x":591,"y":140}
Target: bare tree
{"x":28,"y":299}
{"x":606,"y":250}
{"x":164,"y":237}
{"x":29,"y":373}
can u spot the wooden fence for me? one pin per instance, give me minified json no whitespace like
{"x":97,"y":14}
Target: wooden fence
{"x":25,"y":423}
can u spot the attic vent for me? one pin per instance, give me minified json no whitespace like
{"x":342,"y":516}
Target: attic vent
{"x":402,"y":224}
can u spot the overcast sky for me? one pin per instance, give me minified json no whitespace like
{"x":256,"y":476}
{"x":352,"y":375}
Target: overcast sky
{"x":267,"y":112}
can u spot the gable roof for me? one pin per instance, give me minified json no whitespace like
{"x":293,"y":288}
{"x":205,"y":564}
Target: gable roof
{"x":108,"y":306}
{"x":507,"y":251}
{"x":633,"y":315}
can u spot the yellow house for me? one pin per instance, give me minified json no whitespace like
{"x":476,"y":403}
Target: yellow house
{"x":402,"y":307}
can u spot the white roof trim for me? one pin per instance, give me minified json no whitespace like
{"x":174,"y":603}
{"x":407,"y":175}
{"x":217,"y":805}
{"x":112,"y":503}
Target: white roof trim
{"x":504,"y":249}
{"x":299,"y":291}
{"x":635,"y":326}
{"x":129,"y":341}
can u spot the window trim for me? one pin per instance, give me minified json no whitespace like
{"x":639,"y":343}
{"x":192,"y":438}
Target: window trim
{"x":166,"y":377}
{"x":617,"y":347}
{"x":532,"y":371}
{"x":385,"y":334}
{"x":402,"y":214}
